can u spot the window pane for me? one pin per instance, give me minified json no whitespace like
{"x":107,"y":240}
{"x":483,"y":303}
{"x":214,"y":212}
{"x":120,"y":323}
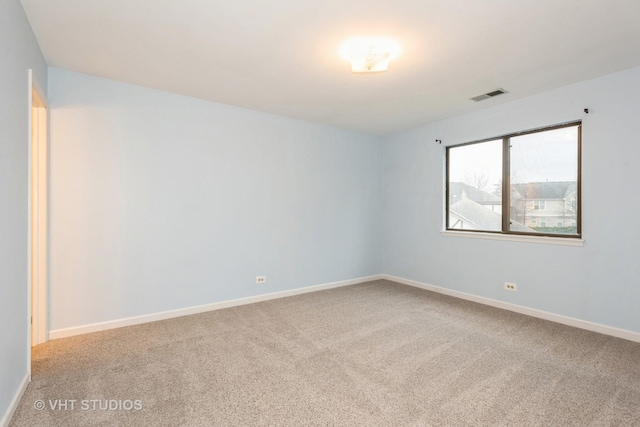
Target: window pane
{"x":475,"y":186}
{"x":544,"y":176}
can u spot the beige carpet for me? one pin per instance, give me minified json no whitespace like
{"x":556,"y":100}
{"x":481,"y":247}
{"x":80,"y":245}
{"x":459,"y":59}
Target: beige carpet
{"x":375,"y":354}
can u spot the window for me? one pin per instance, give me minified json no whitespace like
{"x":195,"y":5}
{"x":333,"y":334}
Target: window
{"x":505,"y":185}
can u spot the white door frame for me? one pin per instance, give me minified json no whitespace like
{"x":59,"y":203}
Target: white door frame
{"x":38,"y":243}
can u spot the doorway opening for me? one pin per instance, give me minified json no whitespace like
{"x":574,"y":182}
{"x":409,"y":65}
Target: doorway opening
{"x":38,"y":214}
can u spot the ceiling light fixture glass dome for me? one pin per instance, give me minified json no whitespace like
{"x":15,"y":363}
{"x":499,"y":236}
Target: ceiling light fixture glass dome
{"x":369,"y":54}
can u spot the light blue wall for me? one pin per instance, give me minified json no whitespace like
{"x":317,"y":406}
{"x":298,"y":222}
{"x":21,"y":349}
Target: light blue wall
{"x":19,"y":51}
{"x":160,"y":202}
{"x":599,"y":282}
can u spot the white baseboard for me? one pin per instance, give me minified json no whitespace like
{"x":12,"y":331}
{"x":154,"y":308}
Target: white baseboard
{"x":129,"y":321}
{"x":6,"y":419}
{"x":565,"y":320}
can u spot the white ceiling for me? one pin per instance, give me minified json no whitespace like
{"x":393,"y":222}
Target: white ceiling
{"x":282,"y":56}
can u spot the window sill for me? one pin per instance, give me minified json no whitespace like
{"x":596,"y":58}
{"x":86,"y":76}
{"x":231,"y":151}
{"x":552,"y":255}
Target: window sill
{"x":562,"y":241}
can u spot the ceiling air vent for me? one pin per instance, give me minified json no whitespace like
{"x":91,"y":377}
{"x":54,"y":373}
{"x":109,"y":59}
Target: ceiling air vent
{"x":489,"y":95}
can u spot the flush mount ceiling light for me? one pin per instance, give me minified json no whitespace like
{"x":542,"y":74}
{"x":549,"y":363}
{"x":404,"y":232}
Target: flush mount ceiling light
{"x":369,"y":54}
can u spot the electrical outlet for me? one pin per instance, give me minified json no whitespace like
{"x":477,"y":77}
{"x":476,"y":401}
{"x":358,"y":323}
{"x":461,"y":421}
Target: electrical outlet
{"x":510,"y":286}
{"x":261,"y":279}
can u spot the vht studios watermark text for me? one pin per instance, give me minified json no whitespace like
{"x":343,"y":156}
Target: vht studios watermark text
{"x":88,"y":405}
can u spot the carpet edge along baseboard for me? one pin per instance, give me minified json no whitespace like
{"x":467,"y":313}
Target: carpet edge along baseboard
{"x":186,"y":311}
{"x":153,"y":317}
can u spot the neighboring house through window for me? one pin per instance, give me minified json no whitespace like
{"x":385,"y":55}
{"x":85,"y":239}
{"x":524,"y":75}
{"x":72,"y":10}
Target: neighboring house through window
{"x":540,"y":172}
